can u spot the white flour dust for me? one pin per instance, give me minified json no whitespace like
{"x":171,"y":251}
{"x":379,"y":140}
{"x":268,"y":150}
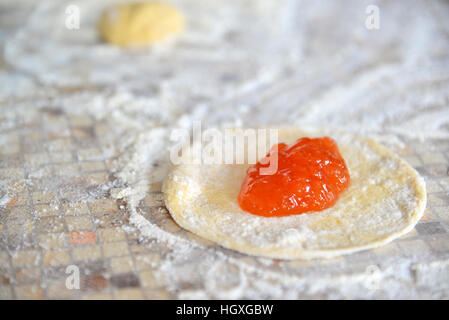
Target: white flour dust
{"x":317,"y":65}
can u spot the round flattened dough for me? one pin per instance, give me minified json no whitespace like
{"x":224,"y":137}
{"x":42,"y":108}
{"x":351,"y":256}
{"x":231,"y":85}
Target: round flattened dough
{"x":385,"y":200}
{"x":139,"y":24}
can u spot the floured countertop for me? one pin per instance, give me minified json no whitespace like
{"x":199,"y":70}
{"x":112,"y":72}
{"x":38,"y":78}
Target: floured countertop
{"x":85,"y":135}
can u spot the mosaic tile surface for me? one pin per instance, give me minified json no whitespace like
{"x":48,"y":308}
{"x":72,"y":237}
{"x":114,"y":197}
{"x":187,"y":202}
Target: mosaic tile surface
{"x":48,"y":158}
{"x":42,"y":234}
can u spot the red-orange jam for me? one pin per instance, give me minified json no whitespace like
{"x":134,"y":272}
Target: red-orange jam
{"x":311,"y":174}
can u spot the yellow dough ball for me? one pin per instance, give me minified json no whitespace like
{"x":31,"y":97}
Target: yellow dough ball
{"x":140,"y":24}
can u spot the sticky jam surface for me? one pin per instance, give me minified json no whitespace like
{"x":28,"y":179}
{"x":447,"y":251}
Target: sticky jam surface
{"x":311,"y":174}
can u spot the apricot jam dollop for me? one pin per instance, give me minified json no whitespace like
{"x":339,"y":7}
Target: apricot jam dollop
{"x":311,"y":174}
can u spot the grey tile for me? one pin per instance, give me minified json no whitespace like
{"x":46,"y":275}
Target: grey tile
{"x":428,"y":228}
{"x":125,"y":280}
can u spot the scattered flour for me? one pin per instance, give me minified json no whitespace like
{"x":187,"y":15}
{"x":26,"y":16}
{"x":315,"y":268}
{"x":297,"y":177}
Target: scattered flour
{"x":391,"y":85}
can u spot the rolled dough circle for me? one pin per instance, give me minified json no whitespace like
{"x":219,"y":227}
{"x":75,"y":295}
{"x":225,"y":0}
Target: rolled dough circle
{"x":139,"y":24}
{"x":385,"y":200}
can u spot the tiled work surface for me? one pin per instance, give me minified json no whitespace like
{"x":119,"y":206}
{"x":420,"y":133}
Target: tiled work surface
{"x":42,"y":233}
{"x":57,"y":216}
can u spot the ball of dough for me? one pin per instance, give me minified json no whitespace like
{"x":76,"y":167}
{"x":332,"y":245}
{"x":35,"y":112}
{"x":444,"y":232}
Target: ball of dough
{"x":140,"y":24}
